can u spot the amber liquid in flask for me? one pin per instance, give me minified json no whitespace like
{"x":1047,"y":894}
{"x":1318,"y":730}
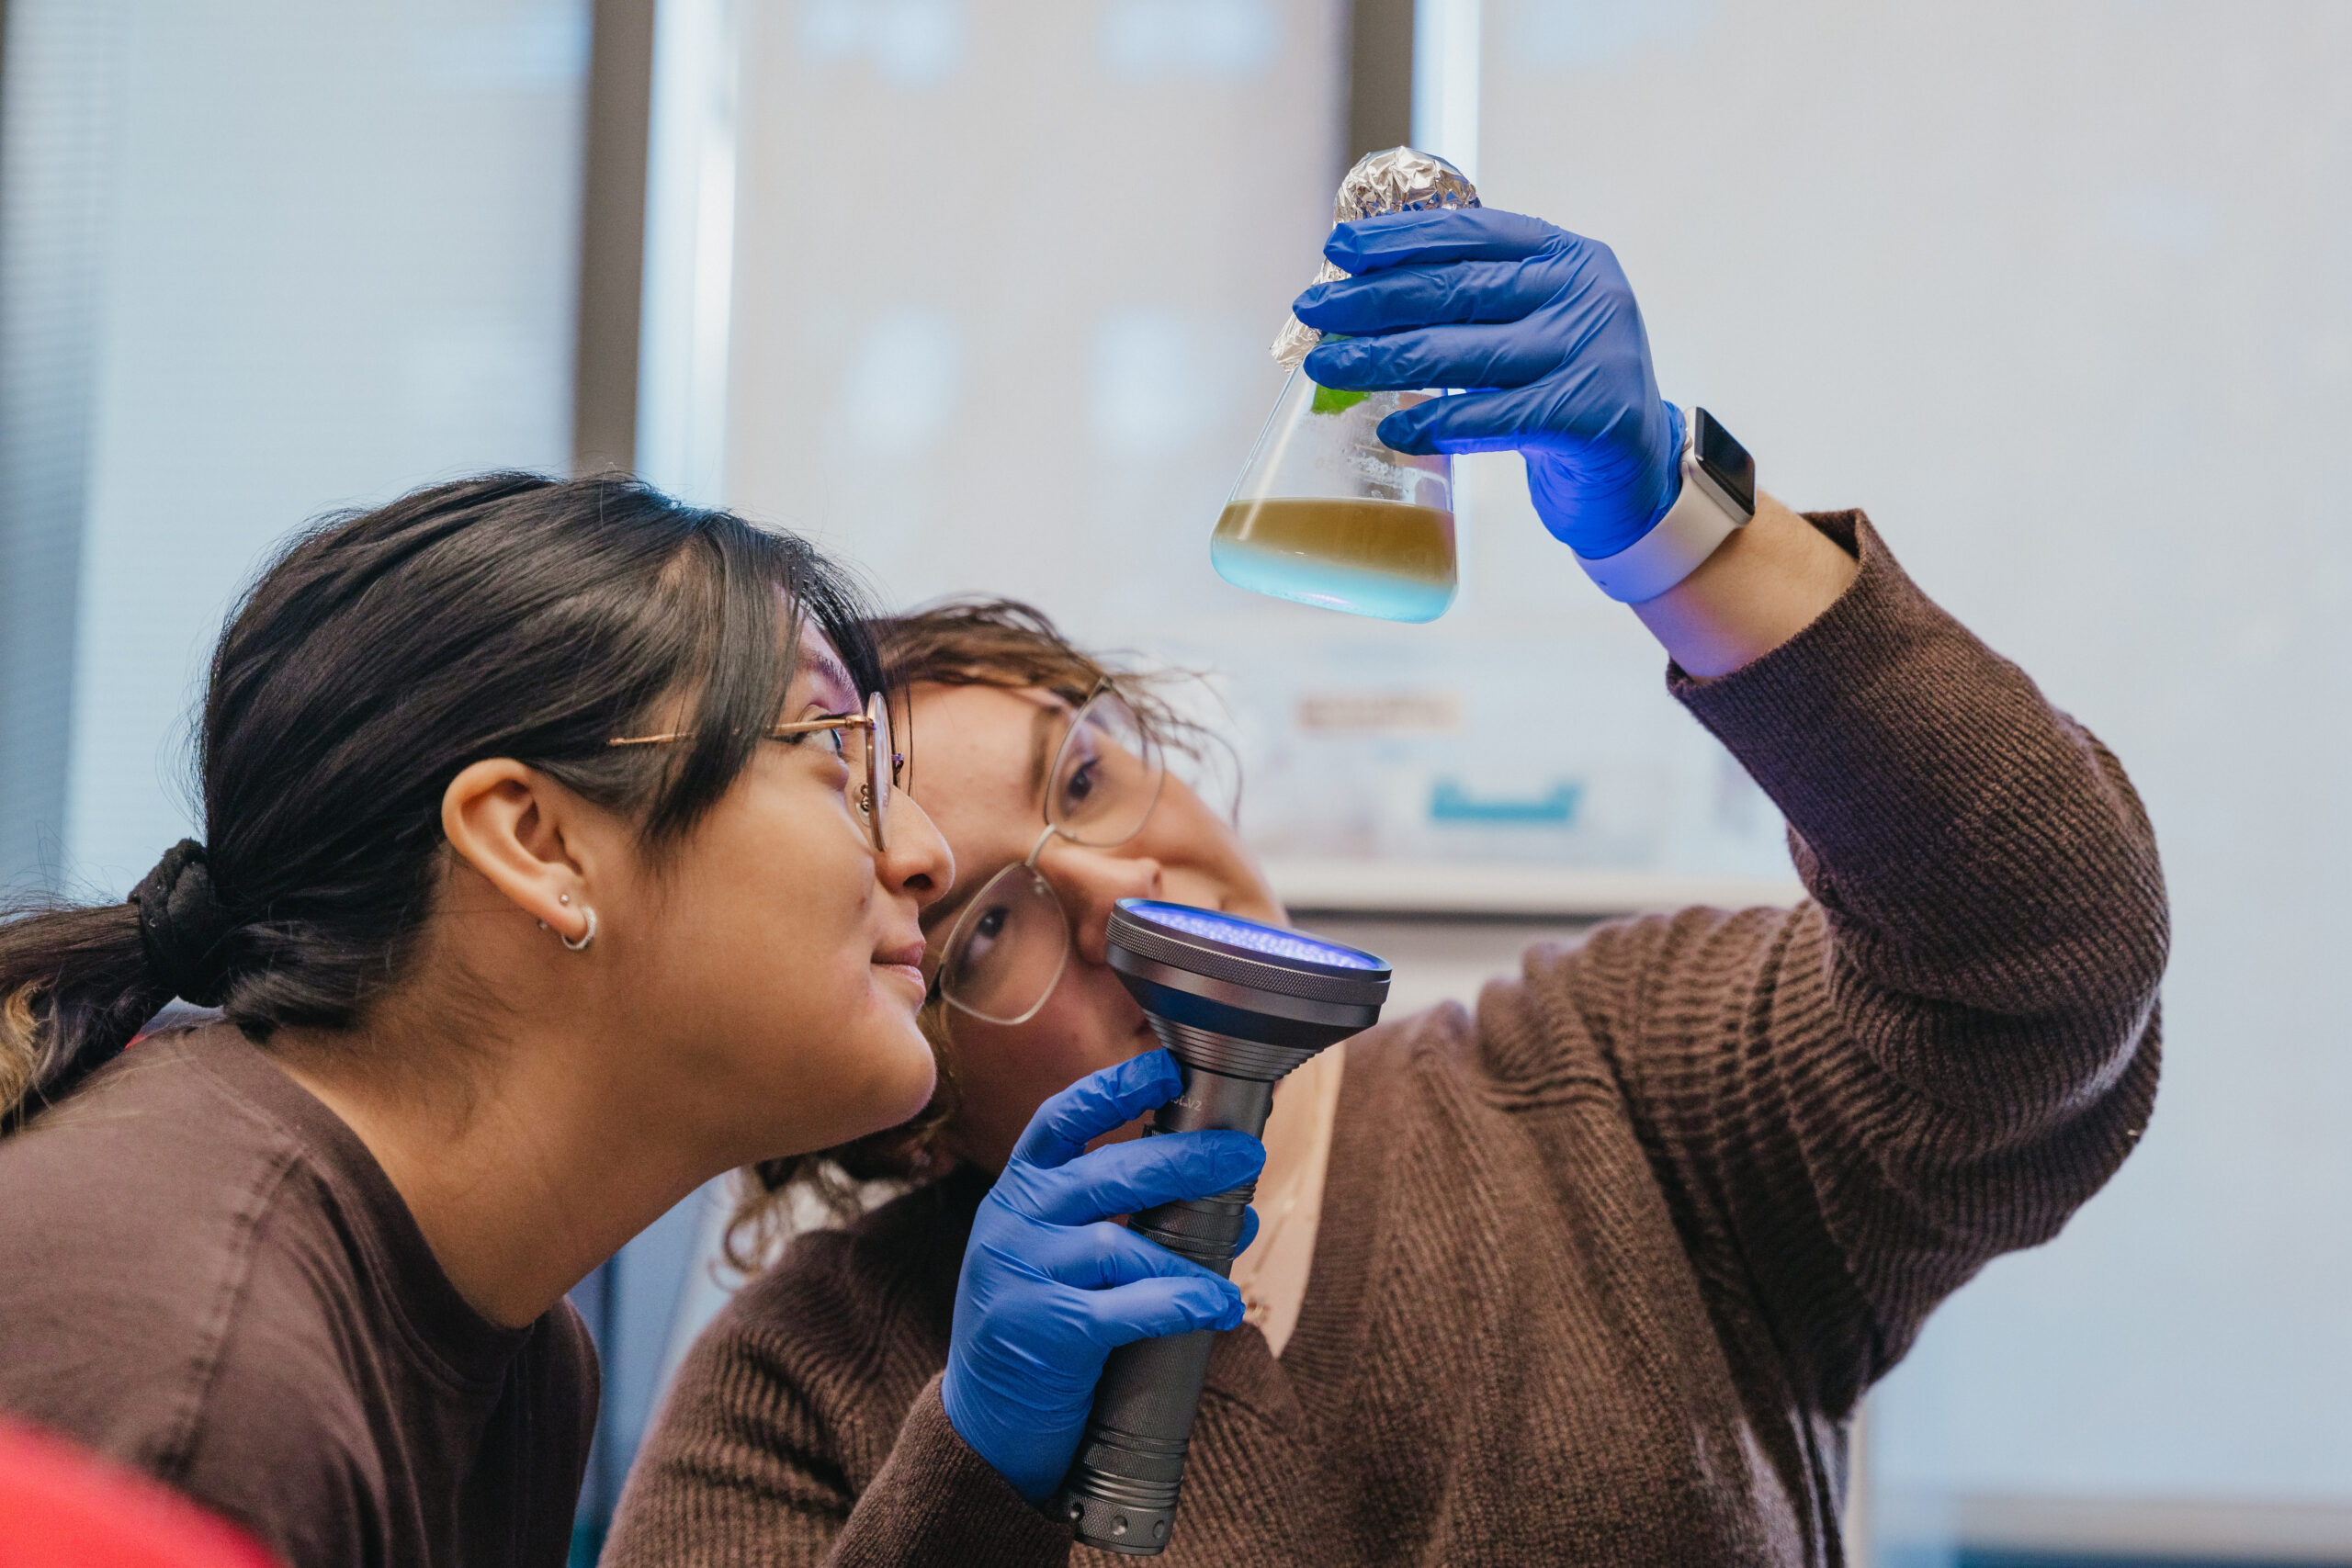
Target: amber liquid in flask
{"x":1327,"y":514}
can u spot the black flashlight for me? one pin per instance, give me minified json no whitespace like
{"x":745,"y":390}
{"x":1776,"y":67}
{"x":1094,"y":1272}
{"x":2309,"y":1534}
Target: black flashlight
{"x":1238,"y":1005}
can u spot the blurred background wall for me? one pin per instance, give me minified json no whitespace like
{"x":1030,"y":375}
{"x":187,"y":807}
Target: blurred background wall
{"x":979,"y":295}
{"x":262,"y":259}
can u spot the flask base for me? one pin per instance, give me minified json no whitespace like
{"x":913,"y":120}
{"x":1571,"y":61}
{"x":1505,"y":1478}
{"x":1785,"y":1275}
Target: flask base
{"x":1327,"y":585}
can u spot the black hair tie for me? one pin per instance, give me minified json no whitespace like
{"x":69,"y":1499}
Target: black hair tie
{"x":184,"y":928}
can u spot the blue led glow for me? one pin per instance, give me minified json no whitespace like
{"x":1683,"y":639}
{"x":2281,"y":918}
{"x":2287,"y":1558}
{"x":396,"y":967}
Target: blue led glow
{"x":1271,"y":940}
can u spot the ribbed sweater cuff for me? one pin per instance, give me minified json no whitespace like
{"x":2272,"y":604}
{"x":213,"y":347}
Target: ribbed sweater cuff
{"x":935,"y":1500}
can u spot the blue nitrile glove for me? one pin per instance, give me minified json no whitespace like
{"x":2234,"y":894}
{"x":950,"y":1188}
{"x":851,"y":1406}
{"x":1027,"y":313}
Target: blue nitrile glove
{"x":1051,"y":1284}
{"x":1540,"y":324}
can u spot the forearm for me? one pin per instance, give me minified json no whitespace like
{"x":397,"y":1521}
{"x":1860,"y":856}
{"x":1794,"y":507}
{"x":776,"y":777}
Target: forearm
{"x":1954,"y":1046}
{"x":1766,"y":584}
{"x":937,"y":1501}
{"x":1973,"y":846}
{"x":743,"y":1470}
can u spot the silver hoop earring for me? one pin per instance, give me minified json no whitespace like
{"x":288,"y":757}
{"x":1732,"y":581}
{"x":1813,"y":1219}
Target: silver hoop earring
{"x":585,"y":937}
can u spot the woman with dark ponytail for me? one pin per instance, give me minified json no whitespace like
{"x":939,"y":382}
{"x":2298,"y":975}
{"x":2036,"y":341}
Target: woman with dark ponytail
{"x":552,"y":864}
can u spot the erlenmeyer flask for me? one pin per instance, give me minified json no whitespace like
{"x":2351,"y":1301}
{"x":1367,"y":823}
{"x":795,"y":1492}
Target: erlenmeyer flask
{"x":1327,"y":513}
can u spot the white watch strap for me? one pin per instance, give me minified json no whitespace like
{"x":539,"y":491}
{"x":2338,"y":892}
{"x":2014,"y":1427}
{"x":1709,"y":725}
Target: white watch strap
{"x":1701,"y":519}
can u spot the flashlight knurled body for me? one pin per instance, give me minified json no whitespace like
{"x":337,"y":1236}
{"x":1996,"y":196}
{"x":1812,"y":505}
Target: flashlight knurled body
{"x":1121,"y":1491}
{"x":1237,"y":1019}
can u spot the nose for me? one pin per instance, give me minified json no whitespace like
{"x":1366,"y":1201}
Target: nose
{"x":918,"y":865}
{"x":1090,"y":882}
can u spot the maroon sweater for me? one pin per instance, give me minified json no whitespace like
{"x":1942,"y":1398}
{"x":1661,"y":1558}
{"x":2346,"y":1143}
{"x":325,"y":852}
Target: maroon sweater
{"x":1604,"y":1269}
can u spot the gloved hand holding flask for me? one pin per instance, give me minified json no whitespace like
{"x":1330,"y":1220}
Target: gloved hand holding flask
{"x":1540,"y":329}
{"x":1051,"y":1283}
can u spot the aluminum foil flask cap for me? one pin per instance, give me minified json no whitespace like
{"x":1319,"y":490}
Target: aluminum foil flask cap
{"x":1398,"y":180}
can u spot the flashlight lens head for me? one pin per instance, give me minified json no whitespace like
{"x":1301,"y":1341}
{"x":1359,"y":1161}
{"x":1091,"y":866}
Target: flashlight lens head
{"x":1251,"y":939}
{"x":1227,"y":975}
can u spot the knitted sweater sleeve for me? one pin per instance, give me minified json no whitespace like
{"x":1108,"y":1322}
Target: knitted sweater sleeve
{"x":777,"y":1451}
{"x":1851,"y":1107}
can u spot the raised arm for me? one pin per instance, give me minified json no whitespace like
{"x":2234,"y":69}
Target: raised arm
{"x":1852,"y":1106}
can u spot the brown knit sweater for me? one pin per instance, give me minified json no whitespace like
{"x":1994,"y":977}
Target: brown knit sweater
{"x":1603,"y":1270}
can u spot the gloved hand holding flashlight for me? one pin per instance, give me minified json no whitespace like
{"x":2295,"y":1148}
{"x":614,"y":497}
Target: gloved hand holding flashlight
{"x":1051,"y":1283}
{"x":1540,"y":328}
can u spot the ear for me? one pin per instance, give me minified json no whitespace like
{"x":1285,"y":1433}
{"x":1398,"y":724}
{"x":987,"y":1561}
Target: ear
{"x":524,"y":832}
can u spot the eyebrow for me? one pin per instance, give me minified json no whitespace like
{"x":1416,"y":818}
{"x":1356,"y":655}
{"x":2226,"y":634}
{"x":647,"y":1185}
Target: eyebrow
{"x":824,"y":665}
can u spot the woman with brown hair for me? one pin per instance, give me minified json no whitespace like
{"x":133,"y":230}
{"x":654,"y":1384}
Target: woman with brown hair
{"x":1601,"y":1271}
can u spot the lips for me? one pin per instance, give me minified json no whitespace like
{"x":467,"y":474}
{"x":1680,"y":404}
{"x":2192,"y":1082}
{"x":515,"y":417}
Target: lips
{"x":906,"y":962}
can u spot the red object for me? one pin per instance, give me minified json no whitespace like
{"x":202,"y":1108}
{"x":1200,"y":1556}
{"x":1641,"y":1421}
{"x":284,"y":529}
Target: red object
{"x":63,"y":1508}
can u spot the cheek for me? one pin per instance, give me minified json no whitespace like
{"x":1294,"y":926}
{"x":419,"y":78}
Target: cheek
{"x":1103,"y":1019}
{"x":776,"y":898}
{"x":1088,"y":1023}
{"x":1201,"y":861}
{"x":1228,"y":889}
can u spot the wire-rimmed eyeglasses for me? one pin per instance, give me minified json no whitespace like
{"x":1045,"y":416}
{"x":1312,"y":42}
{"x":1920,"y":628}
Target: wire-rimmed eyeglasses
{"x":1009,"y":945}
{"x":860,"y":739}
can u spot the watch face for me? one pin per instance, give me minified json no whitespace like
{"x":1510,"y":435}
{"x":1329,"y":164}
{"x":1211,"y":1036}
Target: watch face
{"x":1726,"y":460}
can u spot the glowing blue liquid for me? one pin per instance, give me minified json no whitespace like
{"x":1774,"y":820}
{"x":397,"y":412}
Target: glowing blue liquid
{"x":1329,"y":585}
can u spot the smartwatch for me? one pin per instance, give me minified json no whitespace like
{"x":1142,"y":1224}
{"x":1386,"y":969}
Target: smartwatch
{"x":1718,"y":498}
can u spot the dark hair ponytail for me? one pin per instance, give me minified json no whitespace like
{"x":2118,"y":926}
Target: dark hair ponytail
{"x":384,"y":651}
